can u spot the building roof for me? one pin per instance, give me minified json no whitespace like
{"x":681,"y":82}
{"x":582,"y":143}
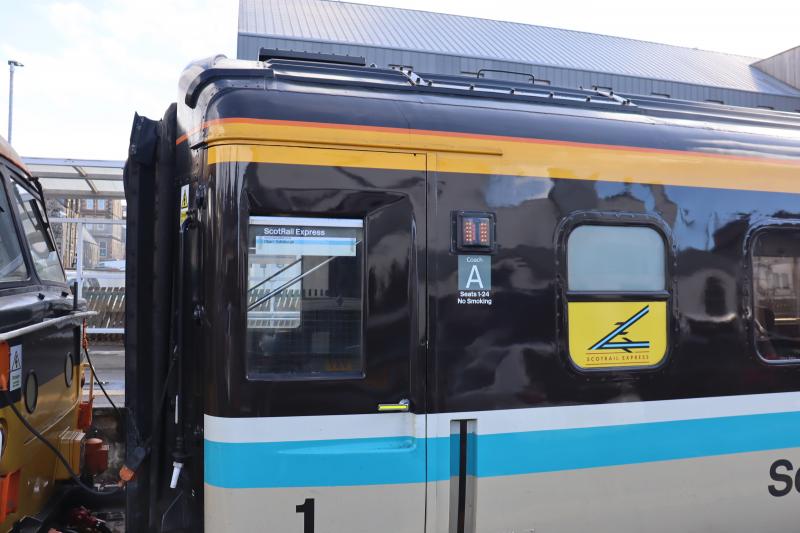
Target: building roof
{"x":784,"y":66}
{"x":404,"y":29}
{"x":80,"y":178}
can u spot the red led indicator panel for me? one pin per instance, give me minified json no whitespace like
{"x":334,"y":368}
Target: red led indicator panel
{"x":483,"y":232}
{"x":476,"y":232}
{"x":470,"y":235}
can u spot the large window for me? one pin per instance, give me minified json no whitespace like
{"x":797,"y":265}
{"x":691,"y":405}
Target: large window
{"x":615,"y":258}
{"x":616,"y":296}
{"x":43,"y":250}
{"x":12,"y":263}
{"x":776,"y":294}
{"x":304,"y":298}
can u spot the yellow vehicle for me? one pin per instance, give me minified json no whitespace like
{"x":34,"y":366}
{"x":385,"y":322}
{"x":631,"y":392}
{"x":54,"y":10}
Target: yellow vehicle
{"x":40,"y":358}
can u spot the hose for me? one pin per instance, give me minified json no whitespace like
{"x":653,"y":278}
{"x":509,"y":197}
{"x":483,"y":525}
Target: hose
{"x":59,"y":456}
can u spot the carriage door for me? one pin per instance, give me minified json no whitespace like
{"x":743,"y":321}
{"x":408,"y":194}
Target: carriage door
{"x":334,"y":345}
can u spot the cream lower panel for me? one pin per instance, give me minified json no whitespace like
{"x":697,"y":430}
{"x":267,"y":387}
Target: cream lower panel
{"x":719,"y":494}
{"x":361,"y":509}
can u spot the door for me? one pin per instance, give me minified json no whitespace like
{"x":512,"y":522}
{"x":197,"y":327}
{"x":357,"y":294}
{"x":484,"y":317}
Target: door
{"x":317,"y":417}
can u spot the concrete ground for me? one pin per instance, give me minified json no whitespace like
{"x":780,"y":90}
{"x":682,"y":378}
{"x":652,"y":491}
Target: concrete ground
{"x":109,"y":363}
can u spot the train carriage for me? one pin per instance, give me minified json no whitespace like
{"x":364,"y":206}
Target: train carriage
{"x":409,"y":302}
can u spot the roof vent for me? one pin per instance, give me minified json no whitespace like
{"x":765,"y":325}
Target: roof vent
{"x":266,"y":54}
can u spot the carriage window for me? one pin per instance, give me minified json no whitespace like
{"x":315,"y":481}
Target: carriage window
{"x":615,"y":259}
{"x":776,"y":300}
{"x":304,"y":298}
{"x":43,"y":250}
{"x":617,"y":298}
{"x":12,"y":264}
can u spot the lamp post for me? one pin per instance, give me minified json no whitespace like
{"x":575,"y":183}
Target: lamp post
{"x":11,"y":65}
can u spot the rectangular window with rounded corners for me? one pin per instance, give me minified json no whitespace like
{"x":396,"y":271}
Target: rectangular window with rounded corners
{"x":304,"y":298}
{"x":616,"y":296}
{"x":776,"y":294}
{"x":616,"y":258}
{"x":43,"y":249}
{"x":12,"y":262}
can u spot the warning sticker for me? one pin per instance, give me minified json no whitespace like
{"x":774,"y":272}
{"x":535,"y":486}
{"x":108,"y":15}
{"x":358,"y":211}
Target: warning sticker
{"x":474,"y":280}
{"x":15,"y":368}
{"x":184,"y":202}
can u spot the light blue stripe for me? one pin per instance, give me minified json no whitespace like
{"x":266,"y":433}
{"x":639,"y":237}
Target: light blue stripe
{"x":344,"y":241}
{"x":572,"y":449}
{"x":402,"y":459}
{"x":315,"y":463}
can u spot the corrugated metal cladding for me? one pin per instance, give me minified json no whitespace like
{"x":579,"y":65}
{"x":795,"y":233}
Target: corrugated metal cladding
{"x":450,"y":44}
{"x":784,"y":66}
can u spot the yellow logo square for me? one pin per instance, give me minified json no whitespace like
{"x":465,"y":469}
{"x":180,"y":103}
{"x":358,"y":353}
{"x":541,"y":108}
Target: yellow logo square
{"x":617,"y":334}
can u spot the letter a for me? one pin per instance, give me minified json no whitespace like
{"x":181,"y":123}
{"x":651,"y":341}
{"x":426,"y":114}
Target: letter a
{"x":474,"y":277}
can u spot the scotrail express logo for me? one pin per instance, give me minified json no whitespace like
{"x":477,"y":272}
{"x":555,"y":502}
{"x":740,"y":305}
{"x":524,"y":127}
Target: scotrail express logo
{"x":618,"y":340}
{"x":617,"y":334}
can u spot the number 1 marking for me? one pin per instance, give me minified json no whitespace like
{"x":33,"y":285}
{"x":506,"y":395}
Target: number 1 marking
{"x":307,"y":509}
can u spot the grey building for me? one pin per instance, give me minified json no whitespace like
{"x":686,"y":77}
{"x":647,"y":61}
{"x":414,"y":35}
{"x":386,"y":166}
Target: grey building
{"x":450,"y":44}
{"x":784,"y":66}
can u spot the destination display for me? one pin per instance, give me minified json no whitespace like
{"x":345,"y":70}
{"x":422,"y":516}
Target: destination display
{"x":306,"y":236}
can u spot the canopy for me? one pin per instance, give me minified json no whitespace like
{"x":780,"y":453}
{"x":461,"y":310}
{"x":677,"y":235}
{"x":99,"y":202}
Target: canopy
{"x":78,"y":178}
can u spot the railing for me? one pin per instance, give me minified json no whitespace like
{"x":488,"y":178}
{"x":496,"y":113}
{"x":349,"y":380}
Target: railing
{"x":102,"y":287}
{"x":109,"y":303}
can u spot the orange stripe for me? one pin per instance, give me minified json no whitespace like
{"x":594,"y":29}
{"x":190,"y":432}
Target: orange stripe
{"x":478,"y":136}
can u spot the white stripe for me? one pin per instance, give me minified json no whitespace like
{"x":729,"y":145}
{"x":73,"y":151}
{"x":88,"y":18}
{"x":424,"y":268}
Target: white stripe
{"x":615,"y":414}
{"x":307,"y":221}
{"x":72,"y":317}
{"x":299,"y":428}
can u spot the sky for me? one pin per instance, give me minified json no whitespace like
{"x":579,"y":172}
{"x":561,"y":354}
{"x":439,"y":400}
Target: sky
{"x":90,"y":64}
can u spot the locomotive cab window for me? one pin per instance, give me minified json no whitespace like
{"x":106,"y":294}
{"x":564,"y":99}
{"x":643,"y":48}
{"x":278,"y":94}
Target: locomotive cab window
{"x":304,"y":298}
{"x":616,"y":296}
{"x":776,"y":296}
{"x":43,"y":249}
{"x":12,"y":262}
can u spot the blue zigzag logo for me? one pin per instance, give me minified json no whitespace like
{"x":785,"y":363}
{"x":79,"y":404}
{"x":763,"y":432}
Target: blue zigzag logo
{"x":608,"y":342}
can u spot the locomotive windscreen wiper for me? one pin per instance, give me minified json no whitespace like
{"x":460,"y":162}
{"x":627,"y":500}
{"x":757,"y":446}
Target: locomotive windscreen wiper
{"x":290,"y":283}
{"x":276,"y":274}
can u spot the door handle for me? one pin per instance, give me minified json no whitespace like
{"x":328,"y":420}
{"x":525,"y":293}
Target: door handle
{"x":399,"y":407}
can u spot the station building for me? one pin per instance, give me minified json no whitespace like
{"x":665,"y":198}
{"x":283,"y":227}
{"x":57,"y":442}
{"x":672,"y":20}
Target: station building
{"x":457,"y":45}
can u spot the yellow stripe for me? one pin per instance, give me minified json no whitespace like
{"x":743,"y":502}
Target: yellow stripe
{"x":602,"y":164}
{"x":300,"y":156}
{"x":392,"y":408}
{"x":340,"y":135}
{"x":481,"y":155}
